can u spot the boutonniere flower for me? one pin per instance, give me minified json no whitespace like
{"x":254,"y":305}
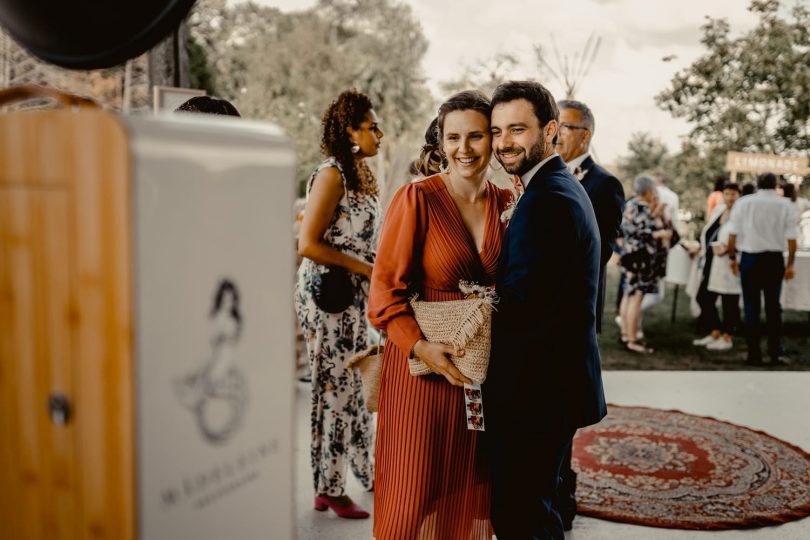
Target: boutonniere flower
{"x":506,"y":215}
{"x":580,"y":173}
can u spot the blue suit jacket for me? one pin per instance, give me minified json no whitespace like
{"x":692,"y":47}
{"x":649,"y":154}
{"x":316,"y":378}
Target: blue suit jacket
{"x":545,"y":370}
{"x":607,"y":197}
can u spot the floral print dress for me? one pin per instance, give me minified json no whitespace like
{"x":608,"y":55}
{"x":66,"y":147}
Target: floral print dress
{"x":638,"y":227}
{"x":341,"y":424}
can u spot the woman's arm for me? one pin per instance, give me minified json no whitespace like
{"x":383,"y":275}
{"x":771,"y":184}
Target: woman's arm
{"x":398,"y":268}
{"x":323,"y":199}
{"x":398,"y":256}
{"x":628,"y":225}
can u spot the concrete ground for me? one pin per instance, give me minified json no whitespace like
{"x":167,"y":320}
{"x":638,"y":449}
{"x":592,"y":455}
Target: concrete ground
{"x":775,"y":402}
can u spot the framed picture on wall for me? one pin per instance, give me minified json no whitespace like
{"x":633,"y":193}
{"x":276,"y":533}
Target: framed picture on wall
{"x":168,"y":98}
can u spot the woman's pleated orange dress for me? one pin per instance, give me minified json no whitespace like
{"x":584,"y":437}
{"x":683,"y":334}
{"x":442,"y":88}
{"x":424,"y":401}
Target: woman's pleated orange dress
{"x":429,"y":481}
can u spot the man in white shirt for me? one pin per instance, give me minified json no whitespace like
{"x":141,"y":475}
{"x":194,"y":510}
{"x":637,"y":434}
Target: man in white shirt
{"x":761,"y":226}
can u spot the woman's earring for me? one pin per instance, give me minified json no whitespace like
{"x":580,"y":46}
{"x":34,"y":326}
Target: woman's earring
{"x":355,"y":148}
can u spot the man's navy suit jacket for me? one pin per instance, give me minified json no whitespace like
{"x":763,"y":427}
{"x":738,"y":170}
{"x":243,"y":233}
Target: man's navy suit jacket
{"x":545,"y":370}
{"x":607,"y":197}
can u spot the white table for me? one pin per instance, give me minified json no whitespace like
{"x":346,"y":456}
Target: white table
{"x":796,"y":292}
{"x":679,"y":265}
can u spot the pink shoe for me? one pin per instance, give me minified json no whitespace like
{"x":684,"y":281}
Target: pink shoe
{"x":322,"y":502}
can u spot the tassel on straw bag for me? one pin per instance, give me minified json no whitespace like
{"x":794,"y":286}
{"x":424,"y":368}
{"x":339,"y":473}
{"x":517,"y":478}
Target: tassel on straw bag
{"x":369,"y":364}
{"x":465,"y":324}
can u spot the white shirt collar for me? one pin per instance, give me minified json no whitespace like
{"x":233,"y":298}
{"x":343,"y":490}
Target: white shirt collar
{"x":526,"y":178}
{"x":576,"y":162}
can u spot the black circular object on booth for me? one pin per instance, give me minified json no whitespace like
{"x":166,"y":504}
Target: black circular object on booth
{"x":90,"y":34}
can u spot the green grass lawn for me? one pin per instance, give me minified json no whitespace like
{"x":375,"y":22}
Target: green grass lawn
{"x":672,"y":341}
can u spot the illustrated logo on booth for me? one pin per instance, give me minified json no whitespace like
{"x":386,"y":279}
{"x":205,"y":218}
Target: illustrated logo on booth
{"x":216,"y":392}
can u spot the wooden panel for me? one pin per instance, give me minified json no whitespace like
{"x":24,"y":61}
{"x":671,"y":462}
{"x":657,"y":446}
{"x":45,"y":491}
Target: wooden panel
{"x":38,"y":458}
{"x":83,"y":154}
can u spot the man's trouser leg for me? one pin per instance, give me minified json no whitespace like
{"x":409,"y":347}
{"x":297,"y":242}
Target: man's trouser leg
{"x":566,"y":491}
{"x":525,"y":474}
{"x":773,"y":274}
{"x":751,"y":280}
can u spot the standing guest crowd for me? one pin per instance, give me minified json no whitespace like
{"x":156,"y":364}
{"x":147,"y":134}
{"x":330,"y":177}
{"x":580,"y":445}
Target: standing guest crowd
{"x":747,"y":250}
{"x":772,"y":231}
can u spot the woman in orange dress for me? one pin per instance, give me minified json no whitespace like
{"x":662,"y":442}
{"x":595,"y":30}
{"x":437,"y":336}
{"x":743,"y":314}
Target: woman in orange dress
{"x":429,"y":481}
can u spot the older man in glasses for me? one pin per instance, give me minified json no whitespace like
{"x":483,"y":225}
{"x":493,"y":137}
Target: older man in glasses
{"x":607,"y":197}
{"x":604,"y":189}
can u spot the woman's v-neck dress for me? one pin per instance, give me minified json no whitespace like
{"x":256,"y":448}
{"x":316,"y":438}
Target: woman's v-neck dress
{"x":429,"y":483}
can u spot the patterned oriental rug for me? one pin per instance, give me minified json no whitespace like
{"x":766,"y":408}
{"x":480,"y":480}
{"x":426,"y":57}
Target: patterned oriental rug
{"x":670,"y":469}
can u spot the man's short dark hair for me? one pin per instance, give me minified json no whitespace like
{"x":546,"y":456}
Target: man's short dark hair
{"x":747,"y":189}
{"x":545,"y":107}
{"x":789,"y":190}
{"x":733,"y":186}
{"x":584,"y":111}
{"x":766,"y":181}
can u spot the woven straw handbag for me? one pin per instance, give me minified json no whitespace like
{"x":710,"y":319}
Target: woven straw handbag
{"x":465,"y":324}
{"x":369,"y":364}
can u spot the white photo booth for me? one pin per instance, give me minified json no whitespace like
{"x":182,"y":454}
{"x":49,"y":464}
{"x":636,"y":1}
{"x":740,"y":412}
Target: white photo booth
{"x":146,"y":327}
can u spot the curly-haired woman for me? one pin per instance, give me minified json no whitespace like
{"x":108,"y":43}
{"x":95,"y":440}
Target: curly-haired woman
{"x":339,"y":231}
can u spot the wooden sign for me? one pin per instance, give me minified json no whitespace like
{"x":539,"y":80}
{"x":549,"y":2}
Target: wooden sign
{"x":760,"y":163}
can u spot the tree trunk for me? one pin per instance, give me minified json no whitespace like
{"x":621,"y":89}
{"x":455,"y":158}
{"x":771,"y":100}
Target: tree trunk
{"x":168,"y":61}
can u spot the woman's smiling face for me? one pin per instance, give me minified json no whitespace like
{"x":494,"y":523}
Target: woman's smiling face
{"x":467,"y":143}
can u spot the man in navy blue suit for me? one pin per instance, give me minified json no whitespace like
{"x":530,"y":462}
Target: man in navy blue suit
{"x":604,"y":190}
{"x":607,"y":197}
{"x":544,"y":378}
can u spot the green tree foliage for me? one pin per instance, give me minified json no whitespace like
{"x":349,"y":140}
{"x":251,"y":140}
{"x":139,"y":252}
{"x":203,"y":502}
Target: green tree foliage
{"x":645,"y":154}
{"x":201,"y":74}
{"x":287,"y":67}
{"x":750,"y":93}
{"x":689,"y":173}
{"x":485,"y":75}
{"x":746,"y":93}
{"x":686,"y":171}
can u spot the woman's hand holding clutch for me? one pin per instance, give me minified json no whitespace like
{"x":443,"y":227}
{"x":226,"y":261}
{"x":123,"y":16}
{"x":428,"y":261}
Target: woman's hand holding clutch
{"x":435,"y":356}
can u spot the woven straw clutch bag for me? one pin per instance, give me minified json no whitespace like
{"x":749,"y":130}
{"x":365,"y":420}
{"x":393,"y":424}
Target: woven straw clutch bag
{"x":369,"y":364}
{"x":465,"y":324}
